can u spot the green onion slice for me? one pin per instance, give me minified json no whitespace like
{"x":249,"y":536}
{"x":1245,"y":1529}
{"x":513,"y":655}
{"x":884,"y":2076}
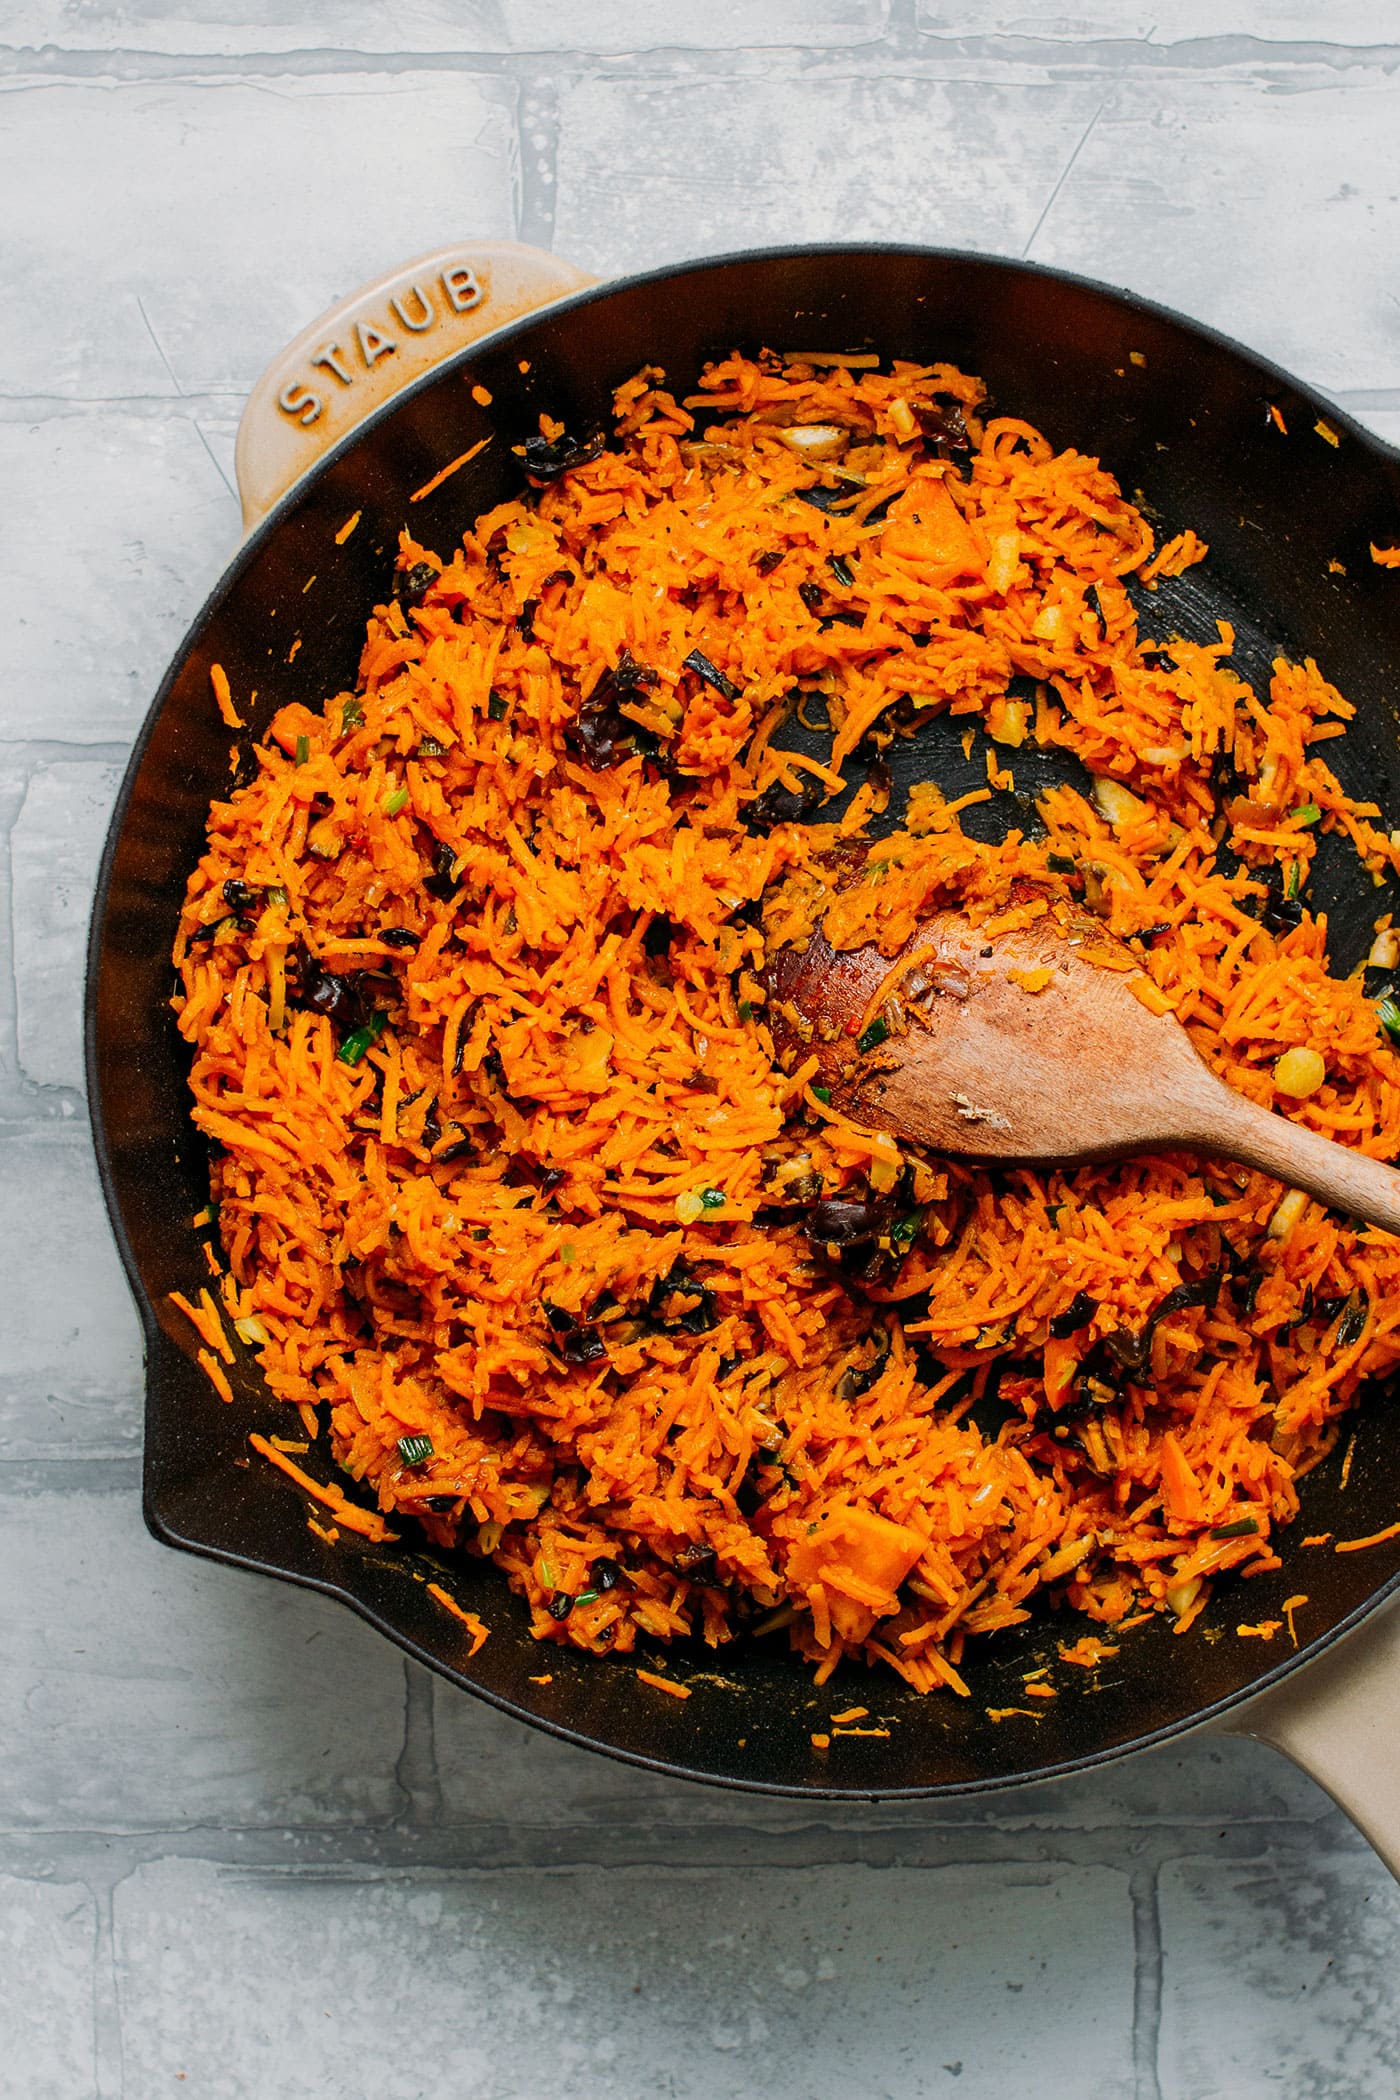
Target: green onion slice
{"x":356,"y":1044}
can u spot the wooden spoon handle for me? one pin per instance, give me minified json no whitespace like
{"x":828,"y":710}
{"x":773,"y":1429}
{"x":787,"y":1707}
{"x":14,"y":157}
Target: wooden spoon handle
{"x":1349,"y":1181}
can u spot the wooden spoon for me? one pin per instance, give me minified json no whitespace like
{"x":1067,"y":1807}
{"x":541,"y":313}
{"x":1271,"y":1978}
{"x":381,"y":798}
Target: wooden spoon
{"x":1032,"y":1045}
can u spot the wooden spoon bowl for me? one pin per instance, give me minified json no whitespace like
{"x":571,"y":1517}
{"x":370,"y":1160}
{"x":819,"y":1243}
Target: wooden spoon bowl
{"x":1043,"y":1043}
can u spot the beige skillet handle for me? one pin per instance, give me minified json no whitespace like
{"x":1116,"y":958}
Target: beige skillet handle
{"x":372,"y":344}
{"x":1339,"y":1719}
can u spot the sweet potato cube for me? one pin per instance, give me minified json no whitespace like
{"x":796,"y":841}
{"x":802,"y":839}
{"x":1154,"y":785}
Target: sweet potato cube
{"x":848,"y":1544}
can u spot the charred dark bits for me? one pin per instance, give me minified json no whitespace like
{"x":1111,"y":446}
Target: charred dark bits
{"x":681,"y":1304}
{"x":601,"y":735}
{"x":1281,"y":912}
{"x":442,"y":882}
{"x":319,"y":991}
{"x":547,"y":458}
{"x":411,"y":585}
{"x":576,"y":1343}
{"x":781,"y":805}
{"x":944,"y":430}
{"x":712,"y":675}
{"x":854,"y":1235}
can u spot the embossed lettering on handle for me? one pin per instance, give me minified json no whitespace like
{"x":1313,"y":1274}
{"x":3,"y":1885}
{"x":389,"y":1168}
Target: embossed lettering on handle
{"x":364,"y":350}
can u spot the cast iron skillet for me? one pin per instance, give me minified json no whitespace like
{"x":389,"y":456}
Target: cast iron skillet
{"x":1179,"y":414}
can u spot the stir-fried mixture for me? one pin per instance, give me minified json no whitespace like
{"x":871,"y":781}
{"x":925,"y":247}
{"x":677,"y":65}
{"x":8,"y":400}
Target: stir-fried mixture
{"x":522,"y":1212}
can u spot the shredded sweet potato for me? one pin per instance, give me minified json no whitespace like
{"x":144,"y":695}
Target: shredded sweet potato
{"x":518,"y":1202}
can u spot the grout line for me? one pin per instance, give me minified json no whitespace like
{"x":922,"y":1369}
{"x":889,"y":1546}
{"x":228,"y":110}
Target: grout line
{"x":213,"y":460}
{"x":160,"y":348}
{"x":536,"y":171}
{"x":1063,"y":178}
{"x":46,"y":750}
{"x":504,"y":1847}
{"x":11,"y":804}
{"x":28,"y":408}
{"x":109,"y":2080}
{"x":901,"y":46}
{"x":111,"y":1473}
{"x":1147,"y":1983}
{"x":416,"y":1770}
{"x":27,"y":1103}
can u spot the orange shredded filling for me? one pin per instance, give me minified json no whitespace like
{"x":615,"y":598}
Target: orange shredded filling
{"x":517,"y":1200}
{"x":223,"y":697}
{"x":216,"y":1374}
{"x":664,"y":1684}
{"x":475,"y":1626}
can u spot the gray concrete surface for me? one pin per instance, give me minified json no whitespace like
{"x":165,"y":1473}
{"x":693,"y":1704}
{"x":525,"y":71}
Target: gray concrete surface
{"x":245,"y":1850}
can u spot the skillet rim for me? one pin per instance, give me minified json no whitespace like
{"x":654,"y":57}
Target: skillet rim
{"x":154,"y":1339}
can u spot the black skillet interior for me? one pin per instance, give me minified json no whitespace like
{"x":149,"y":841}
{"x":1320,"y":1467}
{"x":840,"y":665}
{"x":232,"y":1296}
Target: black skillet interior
{"x":1180,"y":416}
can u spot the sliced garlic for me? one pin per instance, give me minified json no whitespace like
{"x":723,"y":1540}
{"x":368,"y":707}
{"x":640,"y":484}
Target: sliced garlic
{"x":814,"y":440}
{"x":1117,"y":805}
{"x":902,"y":417}
{"x":1289,"y":1211}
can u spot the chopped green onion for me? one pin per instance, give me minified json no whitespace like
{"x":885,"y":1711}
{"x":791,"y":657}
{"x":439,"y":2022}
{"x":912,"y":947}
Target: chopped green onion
{"x":745,"y":1009}
{"x":277,"y":895}
{"x":587,"y":1597}
{"x":394,"y":802}
{"x":431,"y":748}
{"x":905,"y":1230}
{"x":1295,"y":880}
{"x":874,"y":1034}
{"x":823,"y":1094}
{"x":356,"y":1044}
{"x":1241,"y":1530}
{"x":1308,"y":814}
{"x":496,"y":706}
{"x":1388,"y":1014}
{"x":303,"y":751}
{"x":840,"y":569}
{"x":713,"y":1199}
{"x":352,"y":716}
{"x":1062,"y":863}
{"x":415,"y":1450}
